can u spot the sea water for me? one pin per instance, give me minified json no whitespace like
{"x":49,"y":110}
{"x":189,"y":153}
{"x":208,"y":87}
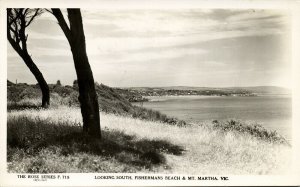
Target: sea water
{"x":274,"y":112}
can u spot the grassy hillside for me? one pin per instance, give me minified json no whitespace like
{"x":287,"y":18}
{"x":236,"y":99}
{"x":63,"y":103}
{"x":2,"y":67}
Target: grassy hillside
{"x":23,"y":96}
{"x":46,"y":141}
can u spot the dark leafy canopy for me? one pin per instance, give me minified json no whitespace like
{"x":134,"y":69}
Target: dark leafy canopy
{"x":18,"y":19}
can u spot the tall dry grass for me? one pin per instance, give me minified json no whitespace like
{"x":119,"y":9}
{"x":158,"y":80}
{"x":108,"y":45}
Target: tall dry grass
{"x":144,"y":145}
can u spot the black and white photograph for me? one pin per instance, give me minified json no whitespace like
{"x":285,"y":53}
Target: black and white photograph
{"x":172,"y":95}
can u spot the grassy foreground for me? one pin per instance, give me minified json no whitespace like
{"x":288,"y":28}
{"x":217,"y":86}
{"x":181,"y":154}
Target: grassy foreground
{"x":50,"y":141}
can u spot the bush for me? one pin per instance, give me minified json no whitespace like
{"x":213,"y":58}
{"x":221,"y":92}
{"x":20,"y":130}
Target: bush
{"x":255,"y":130}
{"x":152,"y":115}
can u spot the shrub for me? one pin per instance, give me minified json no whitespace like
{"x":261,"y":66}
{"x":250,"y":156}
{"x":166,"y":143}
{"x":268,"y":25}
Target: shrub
{"x":58,"y":83}
{"x":152,"y":115}
{"x":255,"y":130}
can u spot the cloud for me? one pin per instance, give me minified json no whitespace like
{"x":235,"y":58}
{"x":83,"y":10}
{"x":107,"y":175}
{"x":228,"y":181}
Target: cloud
{"x":113,"y":31}
{"x":181,"y":46}
{"x":34,"y":43}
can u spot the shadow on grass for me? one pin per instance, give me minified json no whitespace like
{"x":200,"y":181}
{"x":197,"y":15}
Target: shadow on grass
{"x":23,"y":107}
{"x":34,"y":135}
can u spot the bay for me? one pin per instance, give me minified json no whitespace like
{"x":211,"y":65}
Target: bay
{"x":274,"y":112}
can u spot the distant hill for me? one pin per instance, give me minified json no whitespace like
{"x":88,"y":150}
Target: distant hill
{"x":268,"y":90}
{"x":182,"y":90}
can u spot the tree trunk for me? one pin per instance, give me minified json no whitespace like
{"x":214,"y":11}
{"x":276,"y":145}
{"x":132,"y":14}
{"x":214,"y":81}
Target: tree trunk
{"x":35,"y":71}
{"x":39,"y":77}
{"x":87,"y":93}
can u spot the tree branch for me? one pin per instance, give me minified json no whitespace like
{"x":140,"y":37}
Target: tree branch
{"x":25,"y":11}
{"x":10,"y":15}
{"x":22,"y":32}
{"x":13,"y":43}
{"x":62,"y":22}
{"x":49,"y":11}
{"x":32,"y":17}
{"x":17,"y":21}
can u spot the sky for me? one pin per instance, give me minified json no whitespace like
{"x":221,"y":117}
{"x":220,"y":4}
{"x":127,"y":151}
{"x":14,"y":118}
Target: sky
{"x":176,"y":47}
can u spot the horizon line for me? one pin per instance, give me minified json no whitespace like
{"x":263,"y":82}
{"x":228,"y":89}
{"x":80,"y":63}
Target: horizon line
{"x":165,"y":86}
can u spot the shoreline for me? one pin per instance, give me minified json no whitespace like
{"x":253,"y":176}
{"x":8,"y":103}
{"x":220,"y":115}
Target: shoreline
{"x":165,"y":97}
